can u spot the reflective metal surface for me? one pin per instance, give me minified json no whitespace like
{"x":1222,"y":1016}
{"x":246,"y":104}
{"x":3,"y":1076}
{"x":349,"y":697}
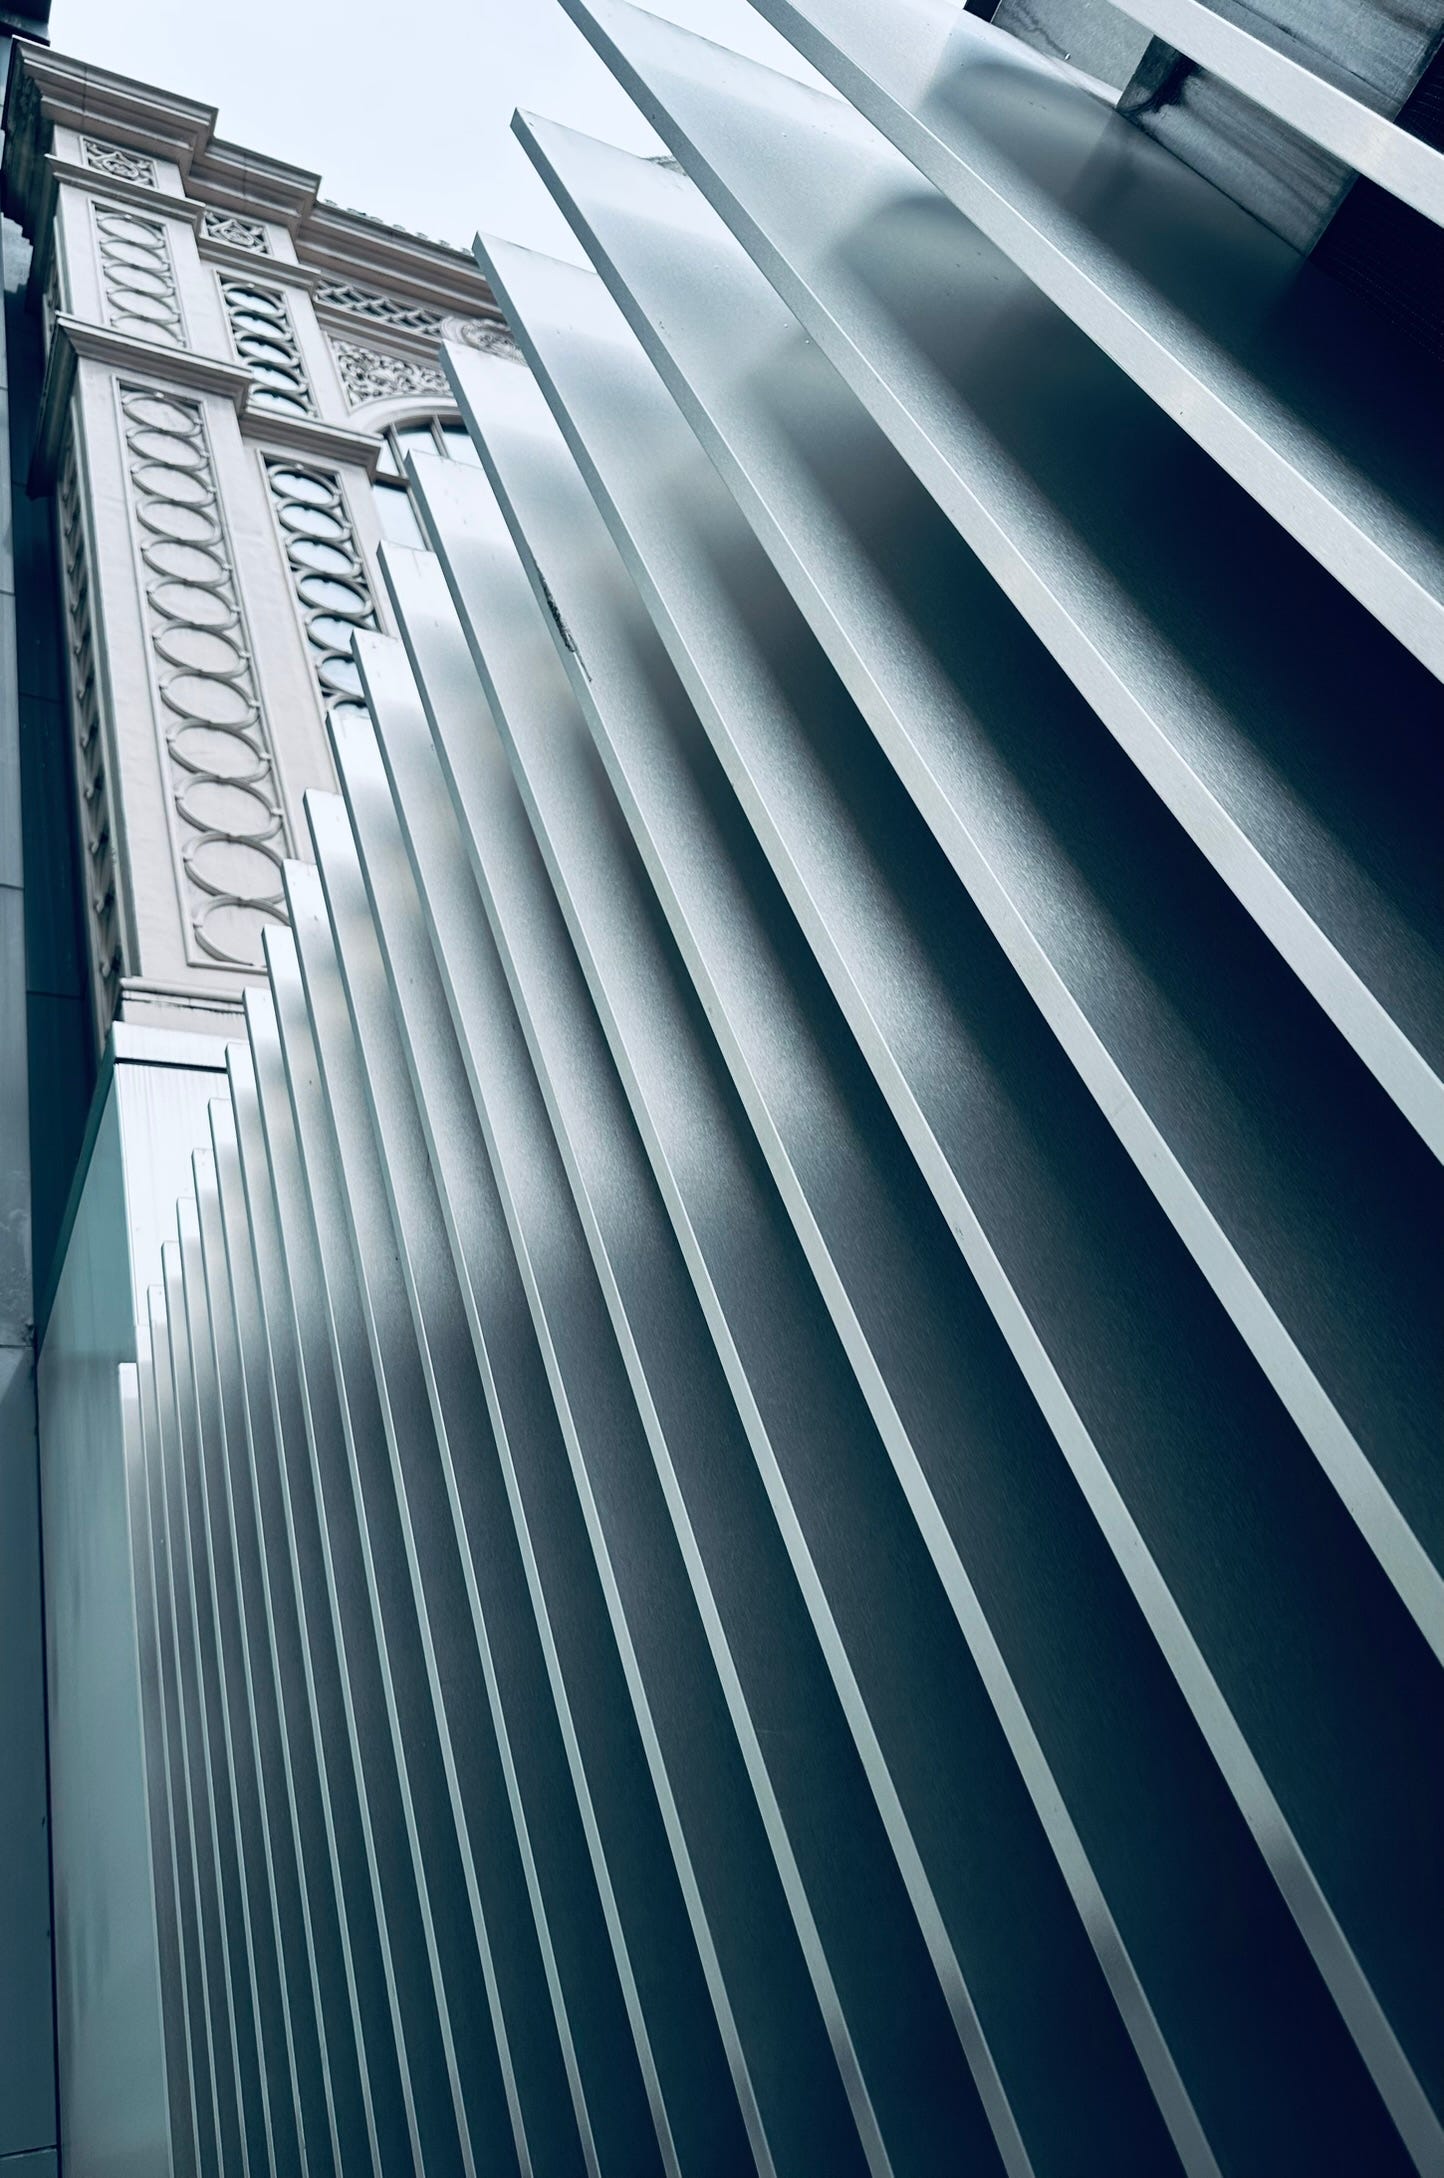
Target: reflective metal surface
{"x":791,"y":1439}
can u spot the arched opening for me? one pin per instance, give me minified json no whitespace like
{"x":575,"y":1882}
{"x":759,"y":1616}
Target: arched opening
{"x":439,"y":434}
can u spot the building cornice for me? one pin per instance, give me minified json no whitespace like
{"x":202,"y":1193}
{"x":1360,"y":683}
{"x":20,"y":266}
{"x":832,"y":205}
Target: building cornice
{"x":248,"y":182}
{"x":73,"y":338}
{"x":273,"y":271}
{"x":49,"y":89}
{"x":347,"y":245}
{"x":316,"y":441}
{"x":107,"y":189}
{"x":159,"y":203}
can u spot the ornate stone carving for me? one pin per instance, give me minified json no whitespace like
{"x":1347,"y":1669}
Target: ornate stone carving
{"x":328,"y":573}
{"x":410,"y":317}
{"x":139,"y":278}
{"x":119,"y":161}
{"x":242,"y":234}
{"x":98,"y":848}
{"x":368,"y":375}
{"x":230,"y":826}
{"x":260,"y":320}
{"x":370,"y":302}
{"x":477,"y":333}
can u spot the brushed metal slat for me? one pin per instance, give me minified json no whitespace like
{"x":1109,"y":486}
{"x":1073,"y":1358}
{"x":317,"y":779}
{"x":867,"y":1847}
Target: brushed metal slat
{"x":264,"y":1760}
{"x":334,"y":1894}
{"x":461,"y":1245}
{"x":1130,"y":555}
{"x":1369,"y":142}
{"x":753,"y":1920}
{"x":388,"y":1178}
{"x":254,"y":1982}
{"x":173,"y":1392}
{"x":170,"y":1870}
{"x":389,"y":1718}
{"x":495,"y":1233}
{"x":1271,"y":369}
{"x":319,"y":1502}
{"x":1274,"y":1161}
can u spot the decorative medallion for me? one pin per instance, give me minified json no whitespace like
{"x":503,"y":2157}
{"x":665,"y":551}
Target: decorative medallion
{"x":242,"y":234}
{"x":119,"y":162}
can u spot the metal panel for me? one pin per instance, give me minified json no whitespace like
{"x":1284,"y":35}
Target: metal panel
{"x":1319,"y":110}
{"x":1269,"y":367}
{"x":799,"y":1520}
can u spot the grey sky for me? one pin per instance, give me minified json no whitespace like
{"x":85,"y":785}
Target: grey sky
{"x":404,"y":110}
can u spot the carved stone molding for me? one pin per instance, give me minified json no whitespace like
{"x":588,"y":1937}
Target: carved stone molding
{"x":119,"y":161}
{"x":265,"y":338}
{"x":242,"y":234}
{"x":328,"y":574}
{"x":415,"y":322}
{"x":229,"y":824}
{"x":313,"y":439}
{"x":74,"y":337}
{"x":370,"y":302}
{"x":60,"y":173}
{"x":141,"y":297}
{"x":103,"y":915}
{"x":369,"y":375}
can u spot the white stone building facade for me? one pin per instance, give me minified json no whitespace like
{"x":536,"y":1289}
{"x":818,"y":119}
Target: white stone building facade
{"x":233,"y":370}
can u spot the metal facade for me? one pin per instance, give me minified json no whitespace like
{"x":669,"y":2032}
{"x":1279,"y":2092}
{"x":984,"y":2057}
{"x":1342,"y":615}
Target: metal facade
{"x":789,"y":1452}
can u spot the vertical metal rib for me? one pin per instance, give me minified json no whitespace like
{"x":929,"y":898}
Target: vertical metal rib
{"x":240,"y":1814}
{"x":785,"y":1482}
{"x":138,"y":1414}
{"x":284,"y":1993}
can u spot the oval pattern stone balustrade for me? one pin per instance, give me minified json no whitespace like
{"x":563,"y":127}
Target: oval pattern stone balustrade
{"x":266,"y":343}
{"x":232,"y":833}
{"x":328,"y":575}
{"x":140,"y":290}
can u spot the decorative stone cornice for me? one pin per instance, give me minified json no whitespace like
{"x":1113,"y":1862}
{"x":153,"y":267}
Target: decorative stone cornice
{"x":48,"y":89}
{"x":74,"y":337}
{"x":116,"y":190}
{"x":278,"y":270}
{"x":318,"y":441}
{"x":53,"y":171}
{"x":252,"y":185}
{"x":348,"y":247}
